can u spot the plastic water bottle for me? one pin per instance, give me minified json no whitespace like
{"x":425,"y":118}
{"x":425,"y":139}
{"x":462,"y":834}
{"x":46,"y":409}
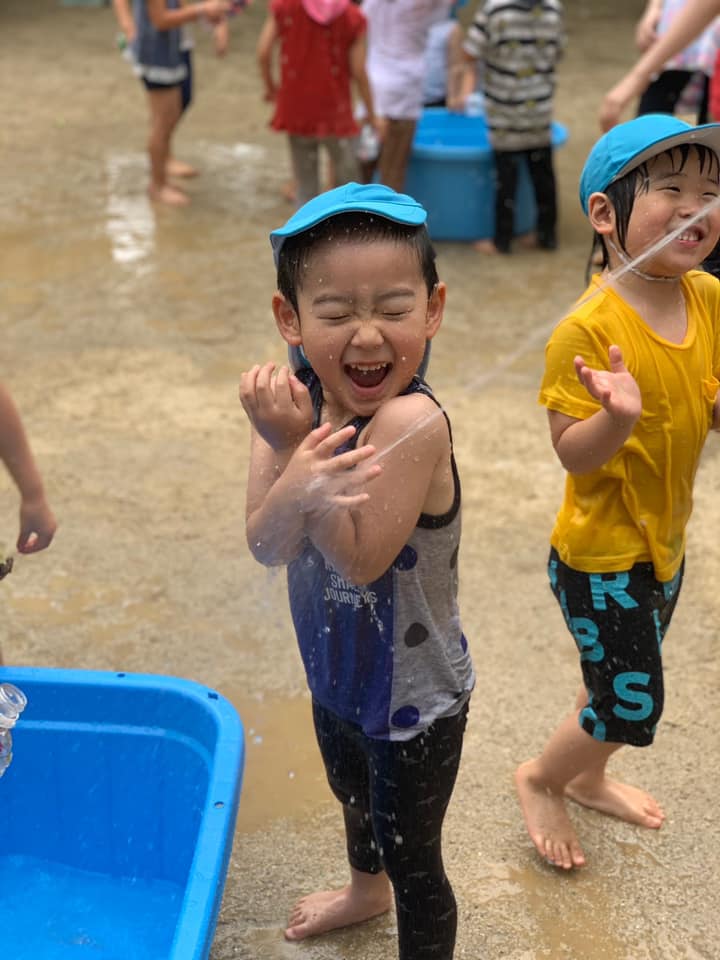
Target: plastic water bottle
{"x":368,"y":146}
{"x":474,"y":104}
{"x":12,"y":704}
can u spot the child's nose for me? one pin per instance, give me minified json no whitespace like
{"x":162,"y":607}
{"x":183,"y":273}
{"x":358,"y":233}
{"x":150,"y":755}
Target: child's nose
{"x":367,"y":335}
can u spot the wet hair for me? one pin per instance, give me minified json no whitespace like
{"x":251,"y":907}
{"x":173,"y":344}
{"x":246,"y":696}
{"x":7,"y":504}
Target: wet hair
{"x":357,"y":227}
{"x":622,"y":193}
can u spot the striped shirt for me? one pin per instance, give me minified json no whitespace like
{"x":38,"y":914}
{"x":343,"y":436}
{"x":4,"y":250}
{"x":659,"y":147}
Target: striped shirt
{"x":518,"y":42}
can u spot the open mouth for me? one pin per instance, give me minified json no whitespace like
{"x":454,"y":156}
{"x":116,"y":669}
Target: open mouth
{"x":367,"y":375}
{"x":691,"y":235}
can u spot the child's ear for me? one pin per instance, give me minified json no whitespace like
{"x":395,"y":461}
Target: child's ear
{"x":601,"y":213}
{"x":287,"y":320}
{"x":435,"y":310}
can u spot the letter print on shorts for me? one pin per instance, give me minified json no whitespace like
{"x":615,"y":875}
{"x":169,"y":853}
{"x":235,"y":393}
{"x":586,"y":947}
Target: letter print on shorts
{"x":618,"y":621}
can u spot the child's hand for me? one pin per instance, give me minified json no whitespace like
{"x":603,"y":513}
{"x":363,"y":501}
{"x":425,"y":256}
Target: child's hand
{"x":216,"y":10}
{"x":37,"y":525}
{"x":277,"y":404}
{"x":321,"y":481}
{"x":616,"y":389}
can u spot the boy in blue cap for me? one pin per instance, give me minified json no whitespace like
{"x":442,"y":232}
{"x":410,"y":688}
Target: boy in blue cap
{"x":353,"y":485}
{"x":631,"y":387}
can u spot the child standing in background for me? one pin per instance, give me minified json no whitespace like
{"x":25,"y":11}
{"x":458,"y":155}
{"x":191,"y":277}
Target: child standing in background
{"x":631,"y":388}
{"x":374,"y":603}
{"x":162,"y":58}
{"x":322,"y":50}
{"x":518,"y":44}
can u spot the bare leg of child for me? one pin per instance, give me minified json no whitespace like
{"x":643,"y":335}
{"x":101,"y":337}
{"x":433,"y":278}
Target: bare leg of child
{"x":486,"y":247}
{"x":165,"y":111}
{"x":573,"y":764}
{"x":367,"y":895}
{"x":594,"y":789}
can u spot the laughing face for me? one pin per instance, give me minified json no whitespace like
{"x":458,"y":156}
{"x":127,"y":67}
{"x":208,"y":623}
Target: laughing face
{"x":674,"y":193}
{"x":364,"y":316}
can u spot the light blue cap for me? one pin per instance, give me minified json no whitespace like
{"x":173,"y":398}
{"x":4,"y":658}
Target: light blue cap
{"x":349,"y":198}
{"x":627,"y":145}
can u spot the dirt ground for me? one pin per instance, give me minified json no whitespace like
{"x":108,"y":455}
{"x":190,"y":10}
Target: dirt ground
{"x":124,"y":331}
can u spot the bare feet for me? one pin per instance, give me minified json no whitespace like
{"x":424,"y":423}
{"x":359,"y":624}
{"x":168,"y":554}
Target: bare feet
{"x":331,"y":909}
{"x":546,"y":819}
{"x":172,"y":196}
{"x":178,"y":168}
{"x":486,"y":247}
{"x":617,"y":799}
{"x":528,"y":241}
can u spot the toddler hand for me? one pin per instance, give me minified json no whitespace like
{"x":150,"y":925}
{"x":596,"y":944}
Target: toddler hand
{"x":277,"y":404}
{"x":616,"y":389}
{"x":321,"y":481}
{"x":216,"y":10}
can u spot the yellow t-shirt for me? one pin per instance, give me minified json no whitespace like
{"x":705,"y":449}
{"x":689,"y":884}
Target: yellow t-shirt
{"x":637,"y":505}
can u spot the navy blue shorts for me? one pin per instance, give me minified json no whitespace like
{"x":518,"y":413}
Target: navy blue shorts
{"x":618,"y":621}
{"x":186,"y":85}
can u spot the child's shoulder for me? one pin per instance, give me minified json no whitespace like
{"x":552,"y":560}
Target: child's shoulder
{"x":413,"y":415}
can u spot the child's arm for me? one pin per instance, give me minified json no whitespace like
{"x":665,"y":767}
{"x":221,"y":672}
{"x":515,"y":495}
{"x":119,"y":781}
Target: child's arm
{"x":358,"y":72}
{"x":221,"y":37}
{"x":164,"y":19}
{"x":646,"y":29}
{"x":685,"y":27}
{"x":124,"y":17}
{"x":413,"y":443}
{"x":266,"y":42}
{"x":293,"y":471}
{"x":586,"y":445}
{"x":37,"y":523}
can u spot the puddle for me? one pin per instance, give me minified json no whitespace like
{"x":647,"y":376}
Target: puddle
{"x":284,"y":775}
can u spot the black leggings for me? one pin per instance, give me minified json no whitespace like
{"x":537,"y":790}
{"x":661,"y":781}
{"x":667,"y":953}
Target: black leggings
{"x":394,"y":796}
{"x":664,"y":92}
{"x":542,"y":176}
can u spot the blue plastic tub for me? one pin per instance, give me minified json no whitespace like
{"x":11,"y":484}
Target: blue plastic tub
{"x":118,"y":811}
{"x":451,"y":172}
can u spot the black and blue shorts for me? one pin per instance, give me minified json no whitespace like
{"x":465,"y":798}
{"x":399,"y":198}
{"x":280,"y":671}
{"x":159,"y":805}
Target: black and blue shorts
{"x":618,"y":621}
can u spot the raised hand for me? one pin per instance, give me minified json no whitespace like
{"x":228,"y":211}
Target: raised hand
{"x":616,"y":389}
{"x":277,"y":404}
{"x":321,"y":480}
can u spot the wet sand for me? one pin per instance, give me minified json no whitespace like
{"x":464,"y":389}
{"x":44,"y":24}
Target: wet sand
{"x":124,"y":331}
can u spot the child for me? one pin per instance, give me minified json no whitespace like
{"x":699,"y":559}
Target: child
{"x":445,"y":69}
{"x":162,"y":58}
{"x":37,"y":523}
{"x":322,"y":45}
{"x":397,"y":40}
{"x":372,"y":574}
{"x":631,"y":387}
{"x":519,"y":43}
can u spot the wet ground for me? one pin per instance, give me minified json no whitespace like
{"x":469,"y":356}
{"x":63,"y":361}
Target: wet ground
{"x":124,"y":331}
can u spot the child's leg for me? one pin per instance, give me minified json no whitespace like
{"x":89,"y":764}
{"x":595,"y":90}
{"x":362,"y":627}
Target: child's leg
{"x":178,"y":168}
{"x":542,"y":175}
{"x":165,"y":111}
{"x":395,"y":153}
{"x":411,"y":785}
{"x":506,"y":168}
{"x":368,"y":894}
{"x":343,"y":166}
{"x":618,"y":621}
{"x":306,"y":165}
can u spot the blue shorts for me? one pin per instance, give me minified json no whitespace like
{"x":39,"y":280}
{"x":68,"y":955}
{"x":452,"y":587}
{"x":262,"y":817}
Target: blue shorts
{"x":186,"y":84}
{"x":618,"y":621}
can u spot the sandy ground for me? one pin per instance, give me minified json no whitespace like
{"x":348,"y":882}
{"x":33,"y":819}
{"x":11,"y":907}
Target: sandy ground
{"x":124,"y":331}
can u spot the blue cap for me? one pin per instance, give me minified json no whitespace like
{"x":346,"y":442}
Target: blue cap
{"x":626,"y":146}
{"x":350,"y":197}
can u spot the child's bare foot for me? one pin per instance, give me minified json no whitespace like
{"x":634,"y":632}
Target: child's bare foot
{"x":172,"y":196}
{"x":486,"y":247}
{"x":178,"y":168}
{"x":617,"y":799}
{"x":321,"y":912}
{"x":528,"y":241}
{"x":546,"y":819}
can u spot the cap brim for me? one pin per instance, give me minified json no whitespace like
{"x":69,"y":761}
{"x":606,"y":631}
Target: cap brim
{"x":707,"y":134}
{"x":399,"y":207}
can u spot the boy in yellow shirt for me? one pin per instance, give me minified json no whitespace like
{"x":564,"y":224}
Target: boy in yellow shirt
{"x":631,"y":390}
